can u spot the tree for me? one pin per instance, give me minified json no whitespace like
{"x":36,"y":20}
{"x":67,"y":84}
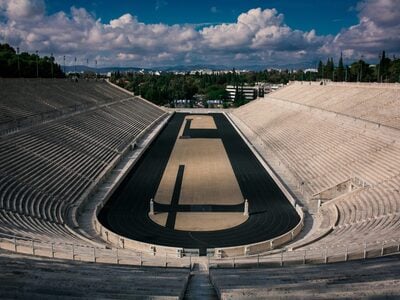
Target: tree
{"x":340,"y":69}
{"x":394,"y":70}
{"x":383,"y":67}
{"x":329,"y":68}
{"x":361,"y":71}
{"x":13,"y":64}
{"x":216,"y":92}
{"x":321,"y":69}
{"x":240,"y":98}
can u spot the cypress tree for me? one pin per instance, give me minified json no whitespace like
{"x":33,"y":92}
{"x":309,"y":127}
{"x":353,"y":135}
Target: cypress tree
{"x":321,"y":69}
{"x":340,"y":69}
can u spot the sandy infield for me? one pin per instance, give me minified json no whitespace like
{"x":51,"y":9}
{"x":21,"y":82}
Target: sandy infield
{"x":208,"y":179}
{"x":202,"y":122}
{"x":208,"y":176}
{"x":159,"y":218}
{"x":197,"y":221}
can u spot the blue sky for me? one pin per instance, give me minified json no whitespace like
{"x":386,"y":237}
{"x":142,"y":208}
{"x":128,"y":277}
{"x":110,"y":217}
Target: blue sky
{"x":327,"y":17}
{"x":233,"y":33}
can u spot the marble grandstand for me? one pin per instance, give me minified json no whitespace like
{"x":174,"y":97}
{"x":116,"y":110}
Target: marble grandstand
{"x":335,"y":146}
{"x":49,"y":168}
{"x":339,"y":154}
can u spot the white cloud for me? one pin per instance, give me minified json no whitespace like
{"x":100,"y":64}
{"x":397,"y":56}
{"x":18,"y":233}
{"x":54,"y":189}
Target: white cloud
{"x":378,"y":29}
{"x":258,"y":36}
{"x":381,"y":12}
{"x":23,"y":9}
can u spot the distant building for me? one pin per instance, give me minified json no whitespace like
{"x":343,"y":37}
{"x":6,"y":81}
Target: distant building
{"x":269,"y":87}
{"x":249,"y":92}
{"x":311,"y":70}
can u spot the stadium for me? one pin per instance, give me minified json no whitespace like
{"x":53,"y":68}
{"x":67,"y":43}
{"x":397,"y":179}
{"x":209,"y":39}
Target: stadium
{"x":199,"y":150}
{"x":107,"y":183}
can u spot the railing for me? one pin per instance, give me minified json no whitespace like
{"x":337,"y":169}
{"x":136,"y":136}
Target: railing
{"x":133,"y":245}
{"x":311,"y":256}
{"x":77,"y":252}
{"x":263,"y":246}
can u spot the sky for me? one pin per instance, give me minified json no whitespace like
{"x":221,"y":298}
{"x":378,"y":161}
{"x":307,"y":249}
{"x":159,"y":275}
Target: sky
{"x":232,"y":33}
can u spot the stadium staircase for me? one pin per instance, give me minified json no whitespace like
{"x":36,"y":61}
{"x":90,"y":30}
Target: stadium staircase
{"x":199,"y":286}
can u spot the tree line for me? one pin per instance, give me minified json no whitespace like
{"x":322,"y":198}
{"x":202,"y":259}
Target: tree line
{"x":387,"y":70}
{"x":163,"y":89}
{"x":13,"y":64}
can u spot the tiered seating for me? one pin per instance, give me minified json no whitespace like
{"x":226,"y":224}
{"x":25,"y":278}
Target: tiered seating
{"x":373,"y":102}
{"x":321,"y":152}
{"x":322,"y":149}
{"x":377,"y":278}
{"x":47,"y":169}
{"x":29,"y":278}
{"x":370,"y":215}
{"x":43,"y":99}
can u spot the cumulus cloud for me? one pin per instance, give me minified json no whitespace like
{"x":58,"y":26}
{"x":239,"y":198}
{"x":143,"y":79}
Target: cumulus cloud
{"x":378,"y":29}
{"x":23,"y":9}
{"x":79,"y":34}
{"x":259,"y":36}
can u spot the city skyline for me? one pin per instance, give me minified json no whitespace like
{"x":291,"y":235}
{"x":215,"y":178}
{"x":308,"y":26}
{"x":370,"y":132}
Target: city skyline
{"x":230,"y":33}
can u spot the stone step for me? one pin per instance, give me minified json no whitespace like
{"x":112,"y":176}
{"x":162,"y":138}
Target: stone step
{"x":199,"y":286}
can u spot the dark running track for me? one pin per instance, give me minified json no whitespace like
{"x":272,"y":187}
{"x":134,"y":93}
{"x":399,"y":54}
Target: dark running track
{"x":126,"y":213}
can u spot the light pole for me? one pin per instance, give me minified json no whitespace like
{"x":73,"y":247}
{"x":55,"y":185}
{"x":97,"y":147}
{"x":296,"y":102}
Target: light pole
{"x":346,"y":66}
{"x":37,"y":64}
{"x":75,"y":67}
{"x":64,"y":64}
{"x":52,"y":67}
{"x":19,"y":69}
{"x":96,"y":68}
{"x":379,"y":68}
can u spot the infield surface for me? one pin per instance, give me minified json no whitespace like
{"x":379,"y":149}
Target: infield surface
{"x":199,"y":171}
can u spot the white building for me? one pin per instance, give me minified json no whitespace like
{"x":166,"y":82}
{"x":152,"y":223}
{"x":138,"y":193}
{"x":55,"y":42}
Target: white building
{"x":249,"y":92}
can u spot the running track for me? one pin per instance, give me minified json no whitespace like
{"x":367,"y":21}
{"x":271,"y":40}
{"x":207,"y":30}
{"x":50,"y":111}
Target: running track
{"x":126,"y":213}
